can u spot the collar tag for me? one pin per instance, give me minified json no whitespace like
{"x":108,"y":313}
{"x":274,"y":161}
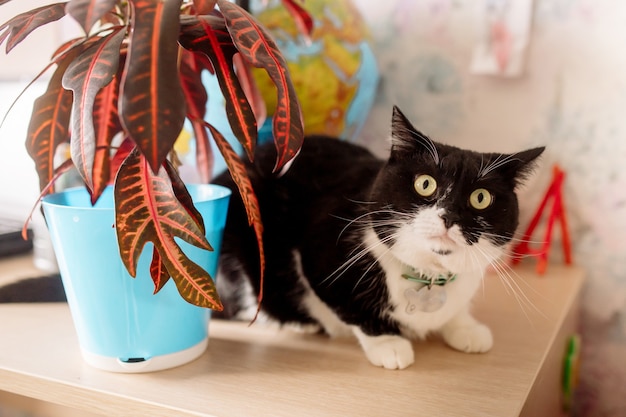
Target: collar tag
{"x":429,"y":281}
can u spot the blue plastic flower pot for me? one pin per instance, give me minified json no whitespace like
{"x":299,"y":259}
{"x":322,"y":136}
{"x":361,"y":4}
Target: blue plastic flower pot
{"x":121,"y":325}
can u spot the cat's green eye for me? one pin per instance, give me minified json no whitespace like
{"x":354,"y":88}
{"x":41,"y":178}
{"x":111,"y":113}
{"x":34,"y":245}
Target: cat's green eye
{"x":480,"y":199}
{"x":425,"y":185}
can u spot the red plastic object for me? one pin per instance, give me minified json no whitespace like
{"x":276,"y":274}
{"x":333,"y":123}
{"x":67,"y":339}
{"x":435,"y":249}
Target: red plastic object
{"x":553,"y":195}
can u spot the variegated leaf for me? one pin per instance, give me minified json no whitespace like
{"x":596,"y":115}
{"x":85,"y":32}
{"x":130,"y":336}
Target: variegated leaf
{"x":191,"y":80}
{"x":239,"y":174}
{"x":258,"y":48}
{"x":106,"y":126}
{"x":301,"y":17}
{"x":23,"y":24}
{"x":49,"y":123}
{"x":86,"y":76}
{"x":158,"y":271}
{"x":196,"y":97}
{"x":181,"y":193}
{"x":194,"y":284}
{"x":152,"y":105}
{"x":147,"y":210}
{"x":211,"y":38}
{"x":251,"y":89}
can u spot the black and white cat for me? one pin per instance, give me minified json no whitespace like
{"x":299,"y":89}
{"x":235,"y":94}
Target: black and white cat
{"x":386,"y":250}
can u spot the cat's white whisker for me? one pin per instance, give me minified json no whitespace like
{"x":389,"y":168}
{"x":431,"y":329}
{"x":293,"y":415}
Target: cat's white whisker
{"x":512,"y":288}
{"x":524,"y":255}
{"x":337,"y":273}
{"x":366,"y":273}
{"x":365,"y":220}
{"x":476,"y":264}
{"x":361,"y":201}
{"x":512,"y":238}
{"x":517,"y":280}
{"x":425,"y":141}
{"x":511,"y":279}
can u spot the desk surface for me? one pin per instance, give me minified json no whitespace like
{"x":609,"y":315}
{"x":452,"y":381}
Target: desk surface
{"x":260,"y":371}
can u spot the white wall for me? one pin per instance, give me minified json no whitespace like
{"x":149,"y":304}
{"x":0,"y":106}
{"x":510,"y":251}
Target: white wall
{"x":19,"y":186}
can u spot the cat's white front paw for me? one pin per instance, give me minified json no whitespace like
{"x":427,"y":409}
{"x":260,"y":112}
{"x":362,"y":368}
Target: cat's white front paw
{"x":388,"y":351}
{"x":475,"y":338}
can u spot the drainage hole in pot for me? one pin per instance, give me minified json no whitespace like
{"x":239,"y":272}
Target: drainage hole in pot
{"x":133,"y":360}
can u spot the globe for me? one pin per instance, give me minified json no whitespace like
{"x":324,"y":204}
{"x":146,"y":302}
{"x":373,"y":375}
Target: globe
{"x":335,"y":73}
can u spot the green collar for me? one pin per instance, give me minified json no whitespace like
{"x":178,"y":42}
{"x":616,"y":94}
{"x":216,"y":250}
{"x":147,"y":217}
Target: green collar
{"x":431,"y":280}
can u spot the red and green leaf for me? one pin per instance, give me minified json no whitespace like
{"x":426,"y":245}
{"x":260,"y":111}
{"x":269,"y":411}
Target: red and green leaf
{"x":194,"y":284}
{"x":196,"y":97}
{"x":181,"y":193}
{"x":239,"y":174}
{"x":88,"y":12}
{"x":23,"y":24}
{"x":106,"y":125}
{"x":251,"y":89}
{"x":152,"y":101}
{"x":158,"y":271}
{"x":302,"y":18}
{"x":193,"y":88}
{"x":258,"y":48}
{"x":92,"y":70}
{"x":212,"y":39}
{"x":49,"y":123}
{"x":147,"y":210}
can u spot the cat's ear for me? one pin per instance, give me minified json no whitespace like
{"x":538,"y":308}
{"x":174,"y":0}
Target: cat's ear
{"x":523,"y":163}
{"x":405,"y":137}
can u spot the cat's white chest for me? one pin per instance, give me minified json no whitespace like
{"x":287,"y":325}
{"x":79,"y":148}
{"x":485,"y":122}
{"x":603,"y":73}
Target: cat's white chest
{"x":421,"y":309}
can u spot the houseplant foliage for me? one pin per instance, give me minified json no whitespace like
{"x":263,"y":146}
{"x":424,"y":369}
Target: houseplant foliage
{"x":120,"y":96}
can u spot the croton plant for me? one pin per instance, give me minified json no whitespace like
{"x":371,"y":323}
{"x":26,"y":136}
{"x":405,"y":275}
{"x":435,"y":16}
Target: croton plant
{"x":120,"y":95}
